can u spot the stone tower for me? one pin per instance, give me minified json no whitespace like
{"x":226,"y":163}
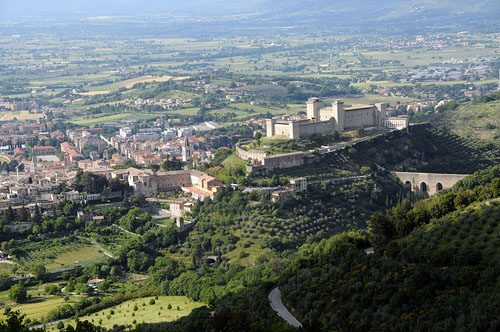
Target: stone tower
{"x":187,"y":151}
{"x":339,"y":115}
{"x":34,"y":163}
{"x":313,"y":107}
{"x":382,"y":113}
{"x":179,"y":222}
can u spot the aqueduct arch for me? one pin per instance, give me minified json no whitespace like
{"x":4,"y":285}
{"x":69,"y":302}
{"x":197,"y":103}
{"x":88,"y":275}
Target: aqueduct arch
{"x":429,"y":182}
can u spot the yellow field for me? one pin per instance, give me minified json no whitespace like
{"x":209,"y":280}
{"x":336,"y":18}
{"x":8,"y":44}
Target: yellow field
{"x":19,"y":115}
{"x":131,"y":82}
{"x":93,"y":93}
{"x":124,"y":314}
{"x":37,"y":310}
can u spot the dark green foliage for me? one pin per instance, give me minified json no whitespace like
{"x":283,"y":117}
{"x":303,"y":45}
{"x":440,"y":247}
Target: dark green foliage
{"x":322,"y":211}
{"x":336,"y":286}
{"x":91,"y":183}
{"x":423,"y":149}
{"x":171,"y":164}
{"x":18,"y":293}
{"x":5,"y":281}
{"x":52,"y":290}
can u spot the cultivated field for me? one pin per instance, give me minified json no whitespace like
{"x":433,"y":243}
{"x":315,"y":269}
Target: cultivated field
{"x":141,"y":310}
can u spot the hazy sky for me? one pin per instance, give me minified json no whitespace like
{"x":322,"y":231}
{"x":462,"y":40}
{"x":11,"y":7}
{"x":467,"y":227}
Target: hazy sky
{"x":90,"y":7}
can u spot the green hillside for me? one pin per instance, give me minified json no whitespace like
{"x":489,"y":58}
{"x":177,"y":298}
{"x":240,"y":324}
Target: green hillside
{"x":435,"y":267}
{"x":424,"y":148}
{"x":480,"y":120}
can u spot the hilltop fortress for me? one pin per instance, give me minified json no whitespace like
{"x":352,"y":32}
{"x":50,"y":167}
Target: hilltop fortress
{"x":324,"y":120}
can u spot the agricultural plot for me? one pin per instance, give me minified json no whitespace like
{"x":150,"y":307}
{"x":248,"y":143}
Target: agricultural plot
{"x":38,"y":309}
{"x":116,"y":117}
{"x":128,"y":84}
{"x":149,"y":309}
{"x":19,"y":115}
{"x":57,"y":254}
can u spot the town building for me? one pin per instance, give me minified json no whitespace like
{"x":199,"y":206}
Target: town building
{"x":200,"y":185}
{"x":73,"y":153}
{"x":43,"y":150}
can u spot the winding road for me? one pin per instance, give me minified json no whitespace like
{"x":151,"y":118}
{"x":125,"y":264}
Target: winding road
{"x":277,"y":305}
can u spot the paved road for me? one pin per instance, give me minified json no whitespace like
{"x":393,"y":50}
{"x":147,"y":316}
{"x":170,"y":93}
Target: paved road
{"x":277,"y":305}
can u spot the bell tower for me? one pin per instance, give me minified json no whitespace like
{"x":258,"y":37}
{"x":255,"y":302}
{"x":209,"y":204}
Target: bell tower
{"x":187,"y":150}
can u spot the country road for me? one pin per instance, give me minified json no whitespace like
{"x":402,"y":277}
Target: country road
{"x":277,"y":305}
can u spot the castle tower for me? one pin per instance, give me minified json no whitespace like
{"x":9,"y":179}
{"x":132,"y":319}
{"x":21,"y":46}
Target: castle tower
{"x":187,"y":150}
{"x":313,"y":107}
{"x":382,"y":113}
{"x":270,"y":127}
{"x":339,"y":115}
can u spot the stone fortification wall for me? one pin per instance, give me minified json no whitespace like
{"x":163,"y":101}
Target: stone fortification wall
{"x":257,"y":156}
{"x":262,"y":161}
{"x":282,"y":129}
{"x":284,"y":160}
{"x":361,"y":118}
{"x":316,"y":128}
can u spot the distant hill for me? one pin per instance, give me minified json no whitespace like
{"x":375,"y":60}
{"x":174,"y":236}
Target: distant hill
{"x":272,"y":12}
{"x":477,"y":119}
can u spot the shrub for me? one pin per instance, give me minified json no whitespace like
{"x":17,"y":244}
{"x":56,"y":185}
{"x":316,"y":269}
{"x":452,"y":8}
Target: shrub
{"x":18,"y":293}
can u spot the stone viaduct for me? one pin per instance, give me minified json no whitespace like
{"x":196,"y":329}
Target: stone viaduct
{"x":428,"y":182}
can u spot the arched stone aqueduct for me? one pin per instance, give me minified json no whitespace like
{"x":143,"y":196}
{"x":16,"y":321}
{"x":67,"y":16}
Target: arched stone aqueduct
{"x":428,"y":182}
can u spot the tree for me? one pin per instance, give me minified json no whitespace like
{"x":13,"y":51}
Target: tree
{"x":52,"y":289}
{"x":258,"y":135}
{"x":9,"y":215}
{"x":154,"y":167}
{"x":365,"y":170}
{"x":37,"y":217}
{"x":382,"y":230}
{"x":5,"y":281}
{"x":14,"y":322}
{"x":18,"y":293}
{"x":39,"y":272}
{"x":23,"y":214}
{"x":335,"y":135}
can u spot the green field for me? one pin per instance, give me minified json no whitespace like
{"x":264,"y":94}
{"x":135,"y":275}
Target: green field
{"x":124,"y":314}
{"x":37,"y":306}
{"x":56,"y":255}
{"x":4,"y":267}
{"x":84,"y":254}
{"x":470,"y":120}
{"x":38,"y":309}
{"x":233,"y":161}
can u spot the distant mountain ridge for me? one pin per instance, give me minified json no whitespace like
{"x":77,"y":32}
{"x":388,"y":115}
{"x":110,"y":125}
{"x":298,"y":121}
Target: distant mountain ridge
{"x":298,"y":13}
{"x":227,"y":7}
